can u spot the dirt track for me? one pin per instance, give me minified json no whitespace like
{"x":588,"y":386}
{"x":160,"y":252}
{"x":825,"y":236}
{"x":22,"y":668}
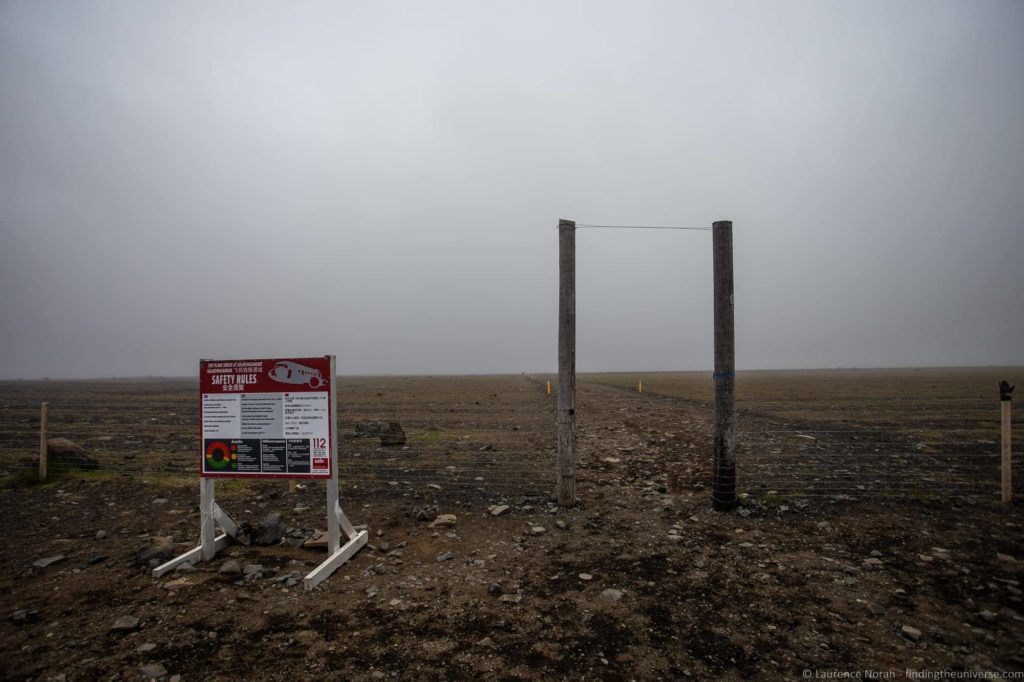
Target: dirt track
{"x":792,"y":586}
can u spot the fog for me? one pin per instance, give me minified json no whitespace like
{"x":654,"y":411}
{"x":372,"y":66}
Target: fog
{"x":383,"y":181}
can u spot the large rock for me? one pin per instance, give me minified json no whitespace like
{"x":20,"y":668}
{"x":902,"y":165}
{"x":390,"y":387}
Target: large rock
{"x":159,"y":550}
{"x":66,"y":452}
{"x":270,"y":530}
{"x":368,"y":429}
{"x":392,"y":434}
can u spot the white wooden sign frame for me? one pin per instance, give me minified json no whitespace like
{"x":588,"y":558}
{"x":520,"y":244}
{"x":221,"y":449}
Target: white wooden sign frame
{"x":212,"y":516}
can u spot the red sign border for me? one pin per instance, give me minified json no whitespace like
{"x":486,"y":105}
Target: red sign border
{"x":333,"y":419}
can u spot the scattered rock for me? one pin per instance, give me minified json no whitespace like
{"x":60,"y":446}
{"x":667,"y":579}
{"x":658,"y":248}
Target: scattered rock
{"x":146,"y":648}
{"x":445,"y":556}
{"x":444,"y":520}
{"x":425,"y":513}
{"x":125,"y":624}
{"x":101,"y":534}
{"x":392,"y":434}
{"x":251,"y":569}
{"x":495,"y":589}
{"x":910,"y":633}
{"x":511,"y":598}
{"x":561,"y":525}
{"x":611,"y":595}
{"x":318,"y":540}
{"x":538,"y":530}
{"x":586,"y":577}
{"x":498,"y":509}
{"x":48,"y":561}
{"x":875,"y":609}
{"x":368,"y":429}
{"x":159,"y":550}
{"x":270,"y":530}
{"x":873,"y":562}
{"x":69,"y":453}
{"x":230,"y":567}
{"x":153,"y":671}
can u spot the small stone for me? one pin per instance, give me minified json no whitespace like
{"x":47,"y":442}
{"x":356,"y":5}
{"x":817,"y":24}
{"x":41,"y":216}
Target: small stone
{"x":494,"y":589}
{"x":160,"y":500}
{"x":20,"y":616}
{"x":875,"y":553}
{"x":230,"y":567}
{"x":561,"y":525}
{"x":910,"y":633}
{"x":444,"y":520}
{"x":586,"y":577}
{"x":511,"y":598}
{"x":611,"y":595}
{"x":101,"y":534}
{"x":146,"y":648}
{"x":538,"y":530}
{"x":48,"y":561}
{"x":485,"y":642}
{"x":270,"y":530}
{"x":317,"y":541}
{"x":125,"y":624}
{"x":987,"y":616}
{"x":498,"y":509}
{"x":433,"y":486}
{"x":875,"y":609}
{"x":249,"y":569}
{"x":445,"y":556}
{"x":153,"y":671}
{"x":873,"y":563}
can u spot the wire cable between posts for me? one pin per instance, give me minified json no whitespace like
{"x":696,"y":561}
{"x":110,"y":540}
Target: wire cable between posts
{"x":643,"y":227}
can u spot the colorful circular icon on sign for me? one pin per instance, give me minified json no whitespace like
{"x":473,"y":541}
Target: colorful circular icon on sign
{"x":220,"y":456}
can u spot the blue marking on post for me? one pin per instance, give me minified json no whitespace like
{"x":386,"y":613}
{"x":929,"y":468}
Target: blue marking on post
{"x":724,"y":375}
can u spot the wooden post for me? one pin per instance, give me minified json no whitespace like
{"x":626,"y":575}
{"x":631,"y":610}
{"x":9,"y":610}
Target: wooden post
{"x":292,"y":486}
{"x":1005,"y":400}
{"x":723,"y":487}
{"x":566,"y":363}
{"x":42,"y":441}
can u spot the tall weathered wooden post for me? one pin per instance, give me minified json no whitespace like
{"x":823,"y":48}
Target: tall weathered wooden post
{"x":566,"y":363}
{"x":723,"y":488}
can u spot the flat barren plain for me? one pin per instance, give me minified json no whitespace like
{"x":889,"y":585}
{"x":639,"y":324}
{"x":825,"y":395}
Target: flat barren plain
{"x":870,"y":535}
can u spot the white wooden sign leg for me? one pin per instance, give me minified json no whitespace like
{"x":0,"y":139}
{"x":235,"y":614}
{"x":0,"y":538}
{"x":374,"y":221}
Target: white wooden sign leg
{"x":209,"y":542}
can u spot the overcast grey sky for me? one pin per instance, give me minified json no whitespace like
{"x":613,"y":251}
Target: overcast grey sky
{"x":383,"y":181}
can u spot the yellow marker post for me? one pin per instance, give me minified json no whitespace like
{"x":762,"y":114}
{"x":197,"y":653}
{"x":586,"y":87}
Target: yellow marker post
{"x":549,"y":388}
{"x":639,"y":387}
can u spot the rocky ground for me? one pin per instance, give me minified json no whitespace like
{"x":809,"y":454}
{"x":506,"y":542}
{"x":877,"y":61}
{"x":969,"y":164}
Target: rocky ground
{"x":639,"y":581}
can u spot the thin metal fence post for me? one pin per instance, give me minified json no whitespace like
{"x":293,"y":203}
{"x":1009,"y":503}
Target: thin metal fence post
{"x":1005,"y":400}
{"x":42,"y":440}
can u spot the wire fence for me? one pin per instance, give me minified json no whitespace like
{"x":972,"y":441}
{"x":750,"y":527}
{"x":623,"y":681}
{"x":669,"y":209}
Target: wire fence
{"x":854,"y":433}
{"x":476,"y":436}
{"x":916,"y":442}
